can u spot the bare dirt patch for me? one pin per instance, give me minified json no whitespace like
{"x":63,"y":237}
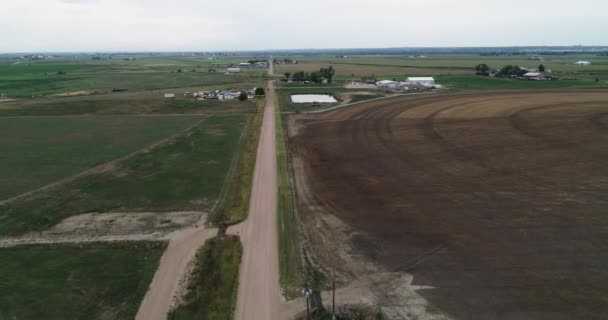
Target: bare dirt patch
{"x":123,"y":223}
{"x":493,"y":202}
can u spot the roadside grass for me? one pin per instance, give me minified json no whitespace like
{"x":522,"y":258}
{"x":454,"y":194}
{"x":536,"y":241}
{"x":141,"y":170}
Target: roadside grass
{"x":76,"y":281}
{"x":240,"y":199}
{"x":233,"y":202}
{"x":291,"y":260}
{"x":37,"y":151}
{"x":212,"y":289}
{"x":185,"y":174}
{"x":121,"y":104}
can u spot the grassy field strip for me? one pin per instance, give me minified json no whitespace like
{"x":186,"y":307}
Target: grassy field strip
{"x":291,"y":261}
{"x":233,"y":202}
{"x":104,"y":166}
{"x":213,"y":283}
{"x":182,"y":176}
{"x":76,"y":281}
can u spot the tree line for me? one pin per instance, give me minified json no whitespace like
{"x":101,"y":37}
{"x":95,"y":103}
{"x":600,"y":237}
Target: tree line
{"x":316,"y":77}
{"x":506,"y":71}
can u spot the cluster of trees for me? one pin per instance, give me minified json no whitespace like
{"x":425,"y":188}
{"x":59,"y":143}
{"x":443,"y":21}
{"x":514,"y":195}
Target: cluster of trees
{"x":316,"y":77}
{"x":482,"y":69}
{"x":510,"y":70}
{"x":506,"y":71}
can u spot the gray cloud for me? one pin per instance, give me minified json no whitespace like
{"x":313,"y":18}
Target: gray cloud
{"x":107,"y":25}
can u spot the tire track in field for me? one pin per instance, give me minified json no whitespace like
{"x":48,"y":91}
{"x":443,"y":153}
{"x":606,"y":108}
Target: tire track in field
{"x":104,"y":167}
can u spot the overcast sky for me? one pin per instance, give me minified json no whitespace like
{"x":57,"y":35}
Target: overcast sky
{"x":209,"y":25}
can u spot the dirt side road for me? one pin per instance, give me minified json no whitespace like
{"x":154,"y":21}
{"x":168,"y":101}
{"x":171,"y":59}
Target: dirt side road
{"x":172,"y":270}
{"x":259,"y":295}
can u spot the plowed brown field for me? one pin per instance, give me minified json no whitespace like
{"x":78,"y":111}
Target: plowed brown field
{"x":498,"y":201}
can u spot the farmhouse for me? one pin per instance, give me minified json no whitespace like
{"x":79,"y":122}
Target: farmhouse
{"x":233,"y":70}
{"x":261,"y":64}
{"x":425,"y":81}
{"x":583,"y":63}
{"x":169,"y":95}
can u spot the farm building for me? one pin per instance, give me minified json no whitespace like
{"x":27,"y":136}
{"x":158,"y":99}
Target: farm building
{"x":245,"y":64}
{"x":234,"y":70}
{"x":425,"y":81}
{"x":533,"y":76}
{"x":368,"y":80}
{"x":387,"y":84}
{"x":169,"y":95}
{"x":583,"y":63}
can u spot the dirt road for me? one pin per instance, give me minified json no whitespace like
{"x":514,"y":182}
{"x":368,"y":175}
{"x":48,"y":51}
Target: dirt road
{"x":171,"y":272}
{"x":259,"y":296}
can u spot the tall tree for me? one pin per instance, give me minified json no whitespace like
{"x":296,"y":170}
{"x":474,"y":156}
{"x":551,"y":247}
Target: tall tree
{"x":287,"y":75}
{"x":482,"y":68}
{"x":541,"y":68}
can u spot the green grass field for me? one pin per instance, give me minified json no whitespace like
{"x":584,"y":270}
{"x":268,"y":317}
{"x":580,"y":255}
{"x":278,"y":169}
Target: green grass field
{"x":464,"y":83}
{"x":37,"y":151}
{"x":121,"y":104}
{"x":186,"y":174}
{"x":457,"y":71}
{"x":80,"y":281}
{"x":214,"y":283}
{"x":39,"y":78}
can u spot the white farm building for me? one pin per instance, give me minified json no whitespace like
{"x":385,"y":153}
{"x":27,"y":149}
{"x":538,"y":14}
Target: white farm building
{"x":387,"y":84}
{"x":583,"y":63}
{"x":234,"y":70}
{"x":424,"y":81}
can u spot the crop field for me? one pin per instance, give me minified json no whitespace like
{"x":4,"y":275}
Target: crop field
{"x":64,"y":75}
{"x":121,"y":104}
{"x":40,"y":150}
{"x":76,"y":281}
{"x":184,"y":174}
{"x":465,"y":206}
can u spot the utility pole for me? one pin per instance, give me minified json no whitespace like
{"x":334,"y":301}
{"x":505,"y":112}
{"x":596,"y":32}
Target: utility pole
{"x":333,"y":297}
{"x":306,"y":293}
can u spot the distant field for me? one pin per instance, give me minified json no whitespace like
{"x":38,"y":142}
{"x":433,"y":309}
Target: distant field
{"x":186,"y":174}
{"x":462,"y":83}
{"x":37,"y":151}
{"x":389,"y":67}
{"x":84,"y":281}
{"x":121,"y":104}
{"x":36,"y":78}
